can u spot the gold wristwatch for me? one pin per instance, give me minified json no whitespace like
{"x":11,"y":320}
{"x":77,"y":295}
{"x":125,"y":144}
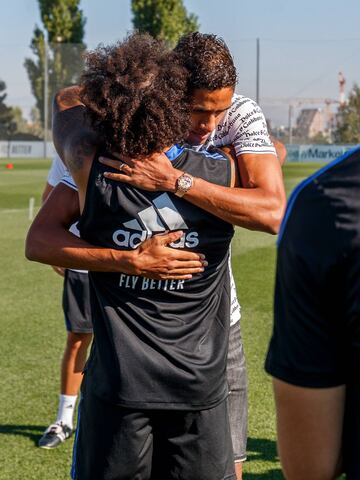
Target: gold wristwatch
{"x":183,"y":184}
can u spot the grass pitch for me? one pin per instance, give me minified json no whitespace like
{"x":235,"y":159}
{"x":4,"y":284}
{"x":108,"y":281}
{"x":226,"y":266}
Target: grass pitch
{"x":33,"y":335}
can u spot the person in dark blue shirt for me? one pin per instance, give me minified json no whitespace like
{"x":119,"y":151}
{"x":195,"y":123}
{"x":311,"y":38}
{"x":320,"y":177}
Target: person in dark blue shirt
{"x":314,"y":353}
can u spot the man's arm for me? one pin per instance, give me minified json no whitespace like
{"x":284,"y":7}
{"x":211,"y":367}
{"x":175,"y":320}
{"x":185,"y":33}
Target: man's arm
{"x":68,"y":99}
{"x":50,"y":242}
{"x":74,"y":139}
{"x":280,"y":148}
{"x":309,"y":430}
{"x":47,"y":190}
{"x":258,"y":205}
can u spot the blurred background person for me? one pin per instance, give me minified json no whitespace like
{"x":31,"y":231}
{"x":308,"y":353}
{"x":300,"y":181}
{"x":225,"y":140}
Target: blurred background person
{"x":78,"y":323}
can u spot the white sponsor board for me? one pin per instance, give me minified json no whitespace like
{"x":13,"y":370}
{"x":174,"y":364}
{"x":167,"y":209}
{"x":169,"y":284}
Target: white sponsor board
{"x":295,"y":153}
{"x":25,"y":149}
{"x":315,"y":153}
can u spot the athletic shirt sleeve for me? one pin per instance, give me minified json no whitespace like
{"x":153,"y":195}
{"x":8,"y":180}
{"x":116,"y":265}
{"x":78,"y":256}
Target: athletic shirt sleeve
{"x":244,"y":127}
{"x":68,"y":180}
{"x":56,"y":171}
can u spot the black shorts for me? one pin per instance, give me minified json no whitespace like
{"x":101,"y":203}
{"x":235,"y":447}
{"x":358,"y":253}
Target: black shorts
{"x":76,"y":302}
{"x":351,"y":442}
{"x":126,"y":444}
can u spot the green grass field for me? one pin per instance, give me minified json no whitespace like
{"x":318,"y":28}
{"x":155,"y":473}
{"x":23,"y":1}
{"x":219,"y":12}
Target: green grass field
{"x":33,"y":334}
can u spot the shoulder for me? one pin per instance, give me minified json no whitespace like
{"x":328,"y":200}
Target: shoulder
{"x":243,"y":105}
{"x":213,"y":165}
{"x":243,"y":118}
{"x":344,"y":172}
{"x":321,"y":207}
{"x":244,"y":126}
{"x":68,"y":180}
{"x":210,"y":153}
{"x":56,"y":171}
{"x":242,"y":100}
{"x":305,"y":204}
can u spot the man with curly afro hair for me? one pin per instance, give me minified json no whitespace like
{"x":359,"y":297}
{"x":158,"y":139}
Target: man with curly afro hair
{"x":131,"y":87}
{"x":220,"y":117}
{"x":154,"y":390}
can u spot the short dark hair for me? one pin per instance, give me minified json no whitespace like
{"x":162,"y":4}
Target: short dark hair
{"x":208,"y":61}
{"x":135,"y":92}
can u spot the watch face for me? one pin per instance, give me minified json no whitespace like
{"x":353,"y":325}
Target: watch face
{"x":185,"y":182}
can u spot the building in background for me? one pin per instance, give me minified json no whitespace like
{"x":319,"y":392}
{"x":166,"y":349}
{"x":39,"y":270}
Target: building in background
{"x":316,"y":122}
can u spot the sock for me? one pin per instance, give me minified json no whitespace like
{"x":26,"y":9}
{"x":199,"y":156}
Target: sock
{"x":66,"y":409}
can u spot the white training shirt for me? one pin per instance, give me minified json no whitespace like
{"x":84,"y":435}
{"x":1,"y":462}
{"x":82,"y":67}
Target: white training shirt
{"x":243,"y":126}
{"x":56,"y":172}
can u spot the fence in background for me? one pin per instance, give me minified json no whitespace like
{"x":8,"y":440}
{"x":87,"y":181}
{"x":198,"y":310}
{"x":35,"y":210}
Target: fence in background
{"x":25,"y":149}
{"x":285,"y":76}
{"x":315,"y":153}
{"x":295,"y":153}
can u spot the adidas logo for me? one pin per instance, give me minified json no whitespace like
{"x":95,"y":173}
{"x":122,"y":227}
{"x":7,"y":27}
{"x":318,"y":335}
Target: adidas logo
{"x":161,"y":216}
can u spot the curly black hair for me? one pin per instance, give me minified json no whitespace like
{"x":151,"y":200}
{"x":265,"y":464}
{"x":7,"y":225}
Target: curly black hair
{"x":208,"y":61}
{"x":136,"y":96}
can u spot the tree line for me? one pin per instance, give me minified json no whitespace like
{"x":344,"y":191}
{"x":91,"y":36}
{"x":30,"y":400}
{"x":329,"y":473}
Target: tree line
{"x":58,"y":47}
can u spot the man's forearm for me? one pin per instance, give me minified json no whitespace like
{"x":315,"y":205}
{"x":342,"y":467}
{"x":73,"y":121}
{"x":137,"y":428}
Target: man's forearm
{"x":254,"y":209}
{"x":251,"y":208}
{"x":152,"y":259}
{"x":259,"y":206}
{"x":50,"y":242}
{"x":56,"y":246}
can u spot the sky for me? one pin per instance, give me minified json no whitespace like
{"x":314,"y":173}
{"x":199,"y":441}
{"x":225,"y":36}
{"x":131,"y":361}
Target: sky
{"x":303,"y":45}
